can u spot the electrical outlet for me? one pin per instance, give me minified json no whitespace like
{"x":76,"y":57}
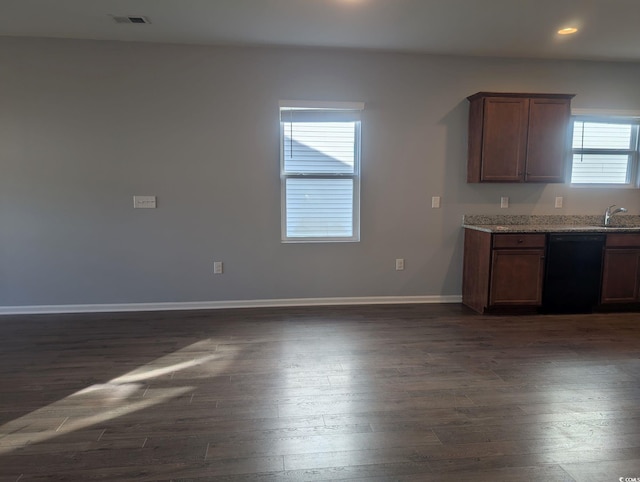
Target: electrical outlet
{"x":504,"y":202}
{"x":558,"y":201}
{"x":435,"y":202}
{"x":399,"y":264}
{"x":217,"y":267}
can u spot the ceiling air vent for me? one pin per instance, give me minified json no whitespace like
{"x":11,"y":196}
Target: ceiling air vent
{"x":130,"y":19}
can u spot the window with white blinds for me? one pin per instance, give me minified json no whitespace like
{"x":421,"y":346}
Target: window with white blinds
{"x":320,"y":171}
{"x":605,"y":151}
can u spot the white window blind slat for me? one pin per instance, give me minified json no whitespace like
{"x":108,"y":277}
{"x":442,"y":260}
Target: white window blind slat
{"x":597,"y":135}
{"x":319,"y":207}
{"x":597,"y":168}
{"x":319,"y":147}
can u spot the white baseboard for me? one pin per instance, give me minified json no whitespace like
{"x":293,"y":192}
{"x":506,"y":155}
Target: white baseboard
{"x":215,"y":305}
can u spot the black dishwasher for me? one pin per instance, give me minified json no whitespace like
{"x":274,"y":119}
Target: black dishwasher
{"x":573,"y":273}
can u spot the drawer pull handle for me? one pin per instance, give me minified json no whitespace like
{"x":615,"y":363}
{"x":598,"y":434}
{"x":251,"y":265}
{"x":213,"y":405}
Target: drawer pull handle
{"x":520,"y":241}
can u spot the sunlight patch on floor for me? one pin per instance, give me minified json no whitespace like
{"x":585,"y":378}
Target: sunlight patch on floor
{"x":123,"y":395}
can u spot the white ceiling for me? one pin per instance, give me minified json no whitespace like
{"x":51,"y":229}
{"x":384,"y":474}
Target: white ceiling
{"x":609,"y":29}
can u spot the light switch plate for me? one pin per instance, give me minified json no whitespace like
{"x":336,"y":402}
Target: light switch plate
{"x":435,"y":202}
{"x":144,"y":202}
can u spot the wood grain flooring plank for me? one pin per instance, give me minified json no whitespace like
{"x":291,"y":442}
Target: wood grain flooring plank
{"x":544,"y":473}
{"x":350,"y":458}
{"x":604,"y":470}
{"x":312,"y":444}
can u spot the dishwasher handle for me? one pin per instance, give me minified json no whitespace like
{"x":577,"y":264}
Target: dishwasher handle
{"x":577,"y":238}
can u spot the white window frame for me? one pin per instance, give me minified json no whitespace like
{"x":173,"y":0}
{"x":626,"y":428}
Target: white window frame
{"x":606,"y":116}
{"x":355,"y":176}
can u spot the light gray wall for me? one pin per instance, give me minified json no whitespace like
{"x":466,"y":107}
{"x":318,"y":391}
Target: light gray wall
{"x":86,"y":125}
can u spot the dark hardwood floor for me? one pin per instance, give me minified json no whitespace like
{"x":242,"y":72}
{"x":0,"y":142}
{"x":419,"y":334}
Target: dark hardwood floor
{"x":375,"y":393}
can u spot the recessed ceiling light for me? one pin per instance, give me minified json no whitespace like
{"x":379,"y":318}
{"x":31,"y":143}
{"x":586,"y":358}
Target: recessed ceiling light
{"x":567,"y":31}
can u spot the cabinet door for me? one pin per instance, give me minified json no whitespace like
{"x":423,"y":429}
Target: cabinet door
{"x":547,"y":144}
{"x":476,"y":269}
{"x":516,"y":277}
{"x":504,"y":139}
{"x":621,"y":276}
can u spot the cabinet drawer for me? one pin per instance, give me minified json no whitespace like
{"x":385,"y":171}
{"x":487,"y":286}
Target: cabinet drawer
{"x":519,"y":240}
{"x":623,"y":240}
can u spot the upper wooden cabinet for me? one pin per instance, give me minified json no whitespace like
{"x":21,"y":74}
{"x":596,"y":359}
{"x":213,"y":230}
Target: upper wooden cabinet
{"x":518,"y":137}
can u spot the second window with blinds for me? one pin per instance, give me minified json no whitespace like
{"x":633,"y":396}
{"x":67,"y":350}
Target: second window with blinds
{"x":320,"y":171}
{"x":605,"y":151}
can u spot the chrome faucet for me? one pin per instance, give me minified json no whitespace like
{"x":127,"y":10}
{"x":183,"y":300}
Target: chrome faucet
{"x":608,"y":214}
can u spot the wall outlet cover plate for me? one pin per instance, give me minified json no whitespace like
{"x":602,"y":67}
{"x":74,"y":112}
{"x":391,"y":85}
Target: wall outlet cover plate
{"x":144,"y":202}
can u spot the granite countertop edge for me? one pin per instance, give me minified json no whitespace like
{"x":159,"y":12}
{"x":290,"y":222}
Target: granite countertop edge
{"x":550,"y":223}
{"x":550,"y":228}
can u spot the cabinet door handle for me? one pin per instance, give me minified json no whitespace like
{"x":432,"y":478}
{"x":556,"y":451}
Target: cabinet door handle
{"x":520,"y":241}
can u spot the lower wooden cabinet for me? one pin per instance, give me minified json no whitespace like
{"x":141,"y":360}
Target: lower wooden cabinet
{"x":507,"y":270}
{"x":621,"y":269}
{"x":502,"y":270}
{"x":516,"y":277}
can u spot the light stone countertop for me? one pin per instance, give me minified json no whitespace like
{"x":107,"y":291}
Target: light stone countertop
{"x":550,"y":228}
{"x":550,"y":224}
